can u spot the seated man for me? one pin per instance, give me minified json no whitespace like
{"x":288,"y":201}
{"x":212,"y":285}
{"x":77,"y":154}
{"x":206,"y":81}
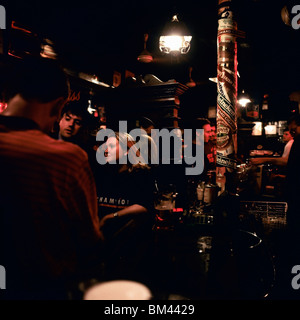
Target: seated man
{"x":279,"y":161}
{"x":278,"y":176}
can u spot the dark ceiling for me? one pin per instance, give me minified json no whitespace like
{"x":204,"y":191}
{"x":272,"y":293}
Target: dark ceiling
{"x":100,"y":37}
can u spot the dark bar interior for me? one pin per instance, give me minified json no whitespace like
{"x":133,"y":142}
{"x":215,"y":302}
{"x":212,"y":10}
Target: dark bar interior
{"x":132,"y":169}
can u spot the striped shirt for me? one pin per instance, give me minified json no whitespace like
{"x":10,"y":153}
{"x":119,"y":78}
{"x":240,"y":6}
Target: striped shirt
{"x":48,"y":202}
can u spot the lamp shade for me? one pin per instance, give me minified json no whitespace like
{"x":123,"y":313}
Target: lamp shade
{"x":145,"y":56}
{"x":175,"y":38}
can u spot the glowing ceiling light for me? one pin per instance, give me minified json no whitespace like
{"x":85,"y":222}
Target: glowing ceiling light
{"x":175,"y":38}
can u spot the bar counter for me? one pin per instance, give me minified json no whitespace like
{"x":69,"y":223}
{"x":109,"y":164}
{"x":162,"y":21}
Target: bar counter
{"x":227,"y":257}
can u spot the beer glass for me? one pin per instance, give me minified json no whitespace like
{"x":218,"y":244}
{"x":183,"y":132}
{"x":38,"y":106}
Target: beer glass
{"x":164,"y":205}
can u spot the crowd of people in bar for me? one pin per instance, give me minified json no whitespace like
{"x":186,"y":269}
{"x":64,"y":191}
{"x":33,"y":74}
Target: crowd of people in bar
{"x":60,"y":209}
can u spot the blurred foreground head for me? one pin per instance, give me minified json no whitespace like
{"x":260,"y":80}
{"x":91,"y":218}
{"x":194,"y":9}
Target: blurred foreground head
{"x":41,"y":80}
{"x":36,"y":89}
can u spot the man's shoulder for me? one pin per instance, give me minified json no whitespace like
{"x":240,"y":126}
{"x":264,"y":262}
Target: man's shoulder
{"x":57,"y":148}
{"x":289,"y":144}
{"x":36,"y":145}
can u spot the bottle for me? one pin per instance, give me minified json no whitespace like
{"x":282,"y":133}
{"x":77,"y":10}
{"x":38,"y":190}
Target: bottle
{"x":200,"y":197}
{"x":210,"y":189}
{"x":207,"y":198}
{"x":200,"y":191}
{"x":220,"y":181}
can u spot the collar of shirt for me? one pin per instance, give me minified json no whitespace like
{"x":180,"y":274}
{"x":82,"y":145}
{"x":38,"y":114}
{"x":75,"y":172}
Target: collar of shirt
{"x":18,"y":123}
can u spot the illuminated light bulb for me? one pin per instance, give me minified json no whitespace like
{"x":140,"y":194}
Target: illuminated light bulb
{"x":175,"y":38}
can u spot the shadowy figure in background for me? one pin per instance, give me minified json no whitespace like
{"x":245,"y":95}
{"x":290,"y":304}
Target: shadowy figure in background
{"x":209,"y":153}
{"x":213,"y":140}
{"x":147,"y":125}
{"x":146,"y":144}
{"x":292,"y":181}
